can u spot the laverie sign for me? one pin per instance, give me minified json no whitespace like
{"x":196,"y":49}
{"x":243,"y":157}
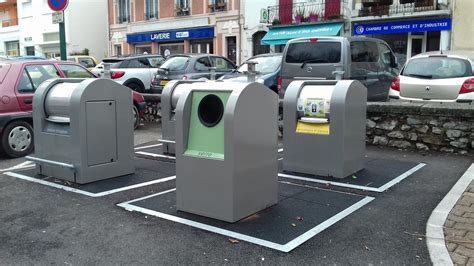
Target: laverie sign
{"x":188,"y":34}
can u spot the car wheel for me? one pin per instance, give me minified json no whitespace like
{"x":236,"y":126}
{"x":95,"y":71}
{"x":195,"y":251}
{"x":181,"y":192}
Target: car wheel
{"x":136,"y":87}
{"x":17,"y":139}
{"x":136,"y":117}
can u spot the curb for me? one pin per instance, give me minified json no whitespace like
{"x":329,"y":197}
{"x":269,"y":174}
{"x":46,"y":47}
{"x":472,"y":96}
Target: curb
{"x":435,"y":227}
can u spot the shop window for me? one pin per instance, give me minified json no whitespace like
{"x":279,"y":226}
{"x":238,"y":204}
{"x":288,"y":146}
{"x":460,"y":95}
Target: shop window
{"x":12,"y":48}
{"x":201,"y":47}
{"x":170,"y":49}
{"x":151,"y":9}
{"x":143,"y":49}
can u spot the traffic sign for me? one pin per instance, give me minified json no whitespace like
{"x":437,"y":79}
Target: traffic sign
{"x":58,"y":5}
{"x":58,"y":17}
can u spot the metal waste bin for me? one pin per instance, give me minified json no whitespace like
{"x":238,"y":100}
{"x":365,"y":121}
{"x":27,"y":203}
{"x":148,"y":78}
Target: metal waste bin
{"x":83,"y":129}
{"x":226,"y":149}
{"x":324,"y":127}
{"x":169,"y":99}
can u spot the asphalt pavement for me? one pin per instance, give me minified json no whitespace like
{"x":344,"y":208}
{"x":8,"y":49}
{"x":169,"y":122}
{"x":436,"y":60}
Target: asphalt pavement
{"x":44,"y":225}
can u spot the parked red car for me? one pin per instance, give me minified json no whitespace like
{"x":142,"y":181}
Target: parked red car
{"x":18,"y":82}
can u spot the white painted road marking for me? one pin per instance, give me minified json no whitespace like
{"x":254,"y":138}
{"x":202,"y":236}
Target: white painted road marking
{"x":284,"y":248}
{"x":366,"y":188}
{"x":86,"y":193}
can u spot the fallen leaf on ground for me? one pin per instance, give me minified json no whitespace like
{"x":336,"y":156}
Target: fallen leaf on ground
{"x":234,"y":241}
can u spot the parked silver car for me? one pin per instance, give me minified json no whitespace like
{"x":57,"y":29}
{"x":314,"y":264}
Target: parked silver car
{"x":436,"y":77}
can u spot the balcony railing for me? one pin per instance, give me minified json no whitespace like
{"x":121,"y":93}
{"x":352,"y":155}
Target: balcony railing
{"x":307,"y":12}
{"x":9,"y":23}
{"x":381,"y":8}
{"x":217,"y":6}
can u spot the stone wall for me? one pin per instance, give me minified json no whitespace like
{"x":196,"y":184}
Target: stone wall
{"x":415,"y":126}
{"x":153,"y":108}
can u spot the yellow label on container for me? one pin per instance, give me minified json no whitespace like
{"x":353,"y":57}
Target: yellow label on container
{"x":310,"y":128}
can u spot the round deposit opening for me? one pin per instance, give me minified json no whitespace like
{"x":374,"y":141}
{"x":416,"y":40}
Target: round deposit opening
{"x":210,"y":110}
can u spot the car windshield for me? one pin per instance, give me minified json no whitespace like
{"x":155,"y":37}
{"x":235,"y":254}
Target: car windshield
{"x":266,"y":64}
{"x":437,"y":67}
{"x":176,"y":63}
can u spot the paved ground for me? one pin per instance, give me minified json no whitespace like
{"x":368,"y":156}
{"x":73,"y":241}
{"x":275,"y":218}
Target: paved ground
{"x":459,"y":229}
{"x":43,"y":225}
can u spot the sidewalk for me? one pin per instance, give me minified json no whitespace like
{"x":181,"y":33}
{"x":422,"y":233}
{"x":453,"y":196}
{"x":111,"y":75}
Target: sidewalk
{"x":459,"y":229}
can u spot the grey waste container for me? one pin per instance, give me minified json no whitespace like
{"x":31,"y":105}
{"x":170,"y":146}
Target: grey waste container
{"x":324,"y":127}
{"x":83,"y":129}
{"x":226,"y":149}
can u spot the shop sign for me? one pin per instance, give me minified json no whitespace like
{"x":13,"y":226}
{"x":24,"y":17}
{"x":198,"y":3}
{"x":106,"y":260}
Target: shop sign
{"x":165,"y":36}
{"x":403,"y":26}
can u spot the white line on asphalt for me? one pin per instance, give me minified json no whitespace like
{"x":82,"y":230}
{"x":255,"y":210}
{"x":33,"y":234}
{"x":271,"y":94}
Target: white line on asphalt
{"x":284,"y":248}
{"x":280,"y":150}
{"x":326,"y":224}
{"x":401,"y":177}
{"x":155,"y":155}
{"x":149,"y":146}
{"x":86,"y":193}
{"x":366,"y":188}
{"x":435,"y":227}
{"x":22,"y":166}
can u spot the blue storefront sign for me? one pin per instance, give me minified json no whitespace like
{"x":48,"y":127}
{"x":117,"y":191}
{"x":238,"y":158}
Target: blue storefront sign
{"x":175,"y":35}
{"x":403,"y":26}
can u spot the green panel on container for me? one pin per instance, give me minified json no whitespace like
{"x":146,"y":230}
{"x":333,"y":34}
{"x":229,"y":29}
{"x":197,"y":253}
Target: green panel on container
{"x":205,"y":142}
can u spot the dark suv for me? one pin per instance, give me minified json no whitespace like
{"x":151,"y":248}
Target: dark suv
{"x":190,"y":66}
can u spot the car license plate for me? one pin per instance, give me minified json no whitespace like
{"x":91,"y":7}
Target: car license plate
{"x":163,"y":82}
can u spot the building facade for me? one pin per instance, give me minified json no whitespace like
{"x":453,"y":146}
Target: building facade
{"x":28,"y":29}
{"x":410,"y":27}
{"x":175,"y":26}
{"x":270,"y":24}
{"x":9,"y":29}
